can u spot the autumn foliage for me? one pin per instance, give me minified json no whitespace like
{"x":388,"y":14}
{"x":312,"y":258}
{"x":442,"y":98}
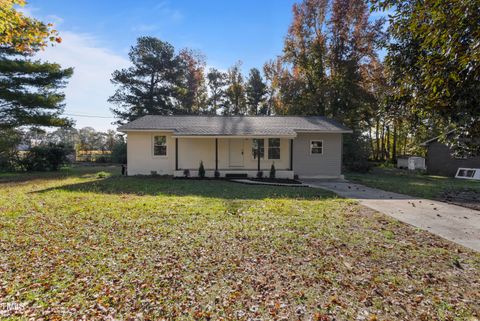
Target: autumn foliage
{"x":22,"y":33}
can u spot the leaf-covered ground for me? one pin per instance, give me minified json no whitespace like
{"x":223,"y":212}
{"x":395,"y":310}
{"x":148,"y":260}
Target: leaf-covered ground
{"x":414,"y":183}
{"x":81,"y":244}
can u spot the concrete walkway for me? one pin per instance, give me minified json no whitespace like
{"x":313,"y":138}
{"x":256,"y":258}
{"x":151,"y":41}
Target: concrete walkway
{"x":252,"y":182}
{"x":455,"y":223}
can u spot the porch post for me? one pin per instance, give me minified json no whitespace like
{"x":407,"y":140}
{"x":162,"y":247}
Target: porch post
{"x":216,"y":154}
{"x":176,"y":154}
{"x":258,"y":154}
{"x":291,"y":154}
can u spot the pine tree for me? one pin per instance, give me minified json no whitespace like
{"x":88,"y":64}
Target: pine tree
{"x":217,"y":82}
{"x":153,"y":85}
{"x":256,"y":90}
{"x":29,"y":91}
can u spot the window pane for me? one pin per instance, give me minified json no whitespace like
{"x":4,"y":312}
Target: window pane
{"x":316,"y":147}
{"x":274,"y":142}
{"x":274,"y":153}
{"x":255,"y":143}
{"x":274,"y":148}
{"x":160,"y":140}
{"x":159,"y":146}
{"x":160,"y":150}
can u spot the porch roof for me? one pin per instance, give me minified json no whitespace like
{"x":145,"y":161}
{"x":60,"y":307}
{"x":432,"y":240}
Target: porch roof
{"x":235,"y":125}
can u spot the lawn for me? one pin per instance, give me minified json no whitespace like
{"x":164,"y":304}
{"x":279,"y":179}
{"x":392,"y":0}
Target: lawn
{"x":413,"y":183}
{"x":87,"y":243}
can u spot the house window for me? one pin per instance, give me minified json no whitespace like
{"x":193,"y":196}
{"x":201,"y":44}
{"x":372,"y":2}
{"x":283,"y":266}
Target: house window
{"x":255,"y":144}
{"x":159,"y":146}
{"x":274,"y":148}
{"x":464,"y":172}
{"x":316,"y":147}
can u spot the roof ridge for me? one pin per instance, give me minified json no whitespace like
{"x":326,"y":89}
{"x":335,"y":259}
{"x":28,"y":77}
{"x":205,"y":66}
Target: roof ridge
{"x":226,"y":116}
{"x":223,"y":124}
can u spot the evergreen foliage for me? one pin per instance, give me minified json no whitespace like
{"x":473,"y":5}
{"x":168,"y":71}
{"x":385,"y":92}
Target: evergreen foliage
{"x":272,"y":171}
{"x":201,"y":170}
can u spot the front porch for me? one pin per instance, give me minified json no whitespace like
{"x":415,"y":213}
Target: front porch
{"x":234,"y":156}
{"x":286,"y":174}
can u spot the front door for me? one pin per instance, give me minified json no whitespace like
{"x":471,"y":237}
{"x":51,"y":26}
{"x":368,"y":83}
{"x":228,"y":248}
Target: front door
{"x":236,"y":152}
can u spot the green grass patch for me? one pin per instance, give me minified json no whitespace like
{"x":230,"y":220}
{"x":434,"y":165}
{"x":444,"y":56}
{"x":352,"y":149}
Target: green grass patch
{"x":88,"y":243}
{"x":412,"y":183}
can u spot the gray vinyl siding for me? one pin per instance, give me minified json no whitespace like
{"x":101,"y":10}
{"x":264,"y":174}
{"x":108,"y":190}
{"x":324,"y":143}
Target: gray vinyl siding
{"x":440,"y":161}
{"x":327,"y":164}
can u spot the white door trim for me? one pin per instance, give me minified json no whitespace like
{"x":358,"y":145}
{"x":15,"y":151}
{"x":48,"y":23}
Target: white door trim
{"x":235,"y":152}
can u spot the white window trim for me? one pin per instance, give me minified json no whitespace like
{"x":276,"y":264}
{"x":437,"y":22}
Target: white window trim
{"x":153,"y":147}
{"x":268,"y":149}
{"x":310,"y":146}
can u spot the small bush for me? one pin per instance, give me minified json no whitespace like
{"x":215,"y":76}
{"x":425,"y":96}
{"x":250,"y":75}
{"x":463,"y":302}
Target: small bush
{"x":259,"y":174}
{"x":102,"y":175}
{"x":46,"y":158}
{"x":119,"y":153}
{"x":201,"y":170}
{"x":186,"y":173}
{"x":272,"y":171}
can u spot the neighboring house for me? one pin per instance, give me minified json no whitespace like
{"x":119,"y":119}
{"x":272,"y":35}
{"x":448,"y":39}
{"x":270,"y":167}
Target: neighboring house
{"x":440,"y":159}
{"x":235,"y":145}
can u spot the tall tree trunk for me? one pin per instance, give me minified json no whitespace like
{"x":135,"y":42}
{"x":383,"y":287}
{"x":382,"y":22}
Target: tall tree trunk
{"x":383,"y":141}
{"x":371,"y":141}
{"x":394,"y":145}
{"x":377,"y":128}
{"x":387,"y":154}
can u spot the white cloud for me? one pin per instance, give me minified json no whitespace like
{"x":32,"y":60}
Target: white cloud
{"x":165,"y":9}
{"x":144,"y":27}
{"x":89,"y":88}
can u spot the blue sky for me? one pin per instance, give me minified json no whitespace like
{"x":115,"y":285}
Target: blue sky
{"x":97,"y":36}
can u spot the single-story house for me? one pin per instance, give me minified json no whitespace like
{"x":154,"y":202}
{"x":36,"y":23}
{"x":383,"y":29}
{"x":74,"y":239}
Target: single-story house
{"x":235,"y":145}
{"x":440,"y":159}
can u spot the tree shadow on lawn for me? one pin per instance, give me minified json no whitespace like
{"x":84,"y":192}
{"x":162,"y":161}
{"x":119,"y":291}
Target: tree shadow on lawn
{"x":72,"y":171}
{"x":167,"y":186}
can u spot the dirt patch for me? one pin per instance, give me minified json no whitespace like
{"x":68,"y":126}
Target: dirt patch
{"x":466,"y":198}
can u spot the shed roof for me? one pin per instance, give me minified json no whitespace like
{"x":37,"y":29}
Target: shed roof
{"x":235,"y":125}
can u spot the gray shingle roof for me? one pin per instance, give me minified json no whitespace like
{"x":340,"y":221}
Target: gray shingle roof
{"x":235,"y":125}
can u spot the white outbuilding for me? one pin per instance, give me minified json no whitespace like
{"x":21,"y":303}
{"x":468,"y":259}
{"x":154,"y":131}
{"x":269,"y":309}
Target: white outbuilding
{"x":411,"y":163}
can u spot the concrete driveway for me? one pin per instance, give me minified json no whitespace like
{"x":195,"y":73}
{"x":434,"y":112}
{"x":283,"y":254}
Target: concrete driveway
{"x":452,"y":222}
